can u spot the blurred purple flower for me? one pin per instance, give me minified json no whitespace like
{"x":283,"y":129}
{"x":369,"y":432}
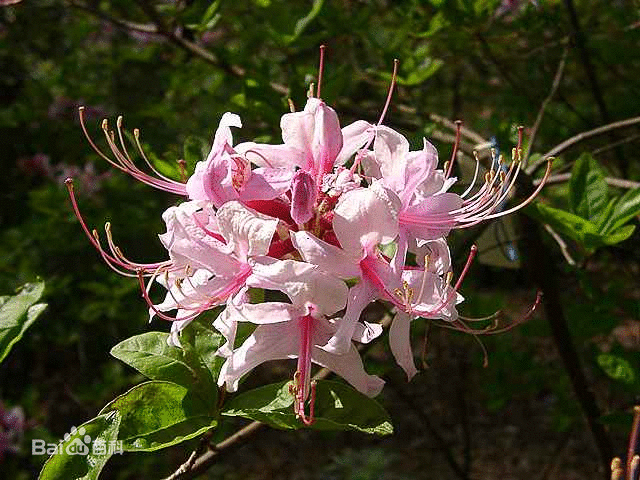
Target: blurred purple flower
{"x":12,"y":426}
{"x":65,"y":107}
{"x":89,"y":180}
{"x":38,"y":165}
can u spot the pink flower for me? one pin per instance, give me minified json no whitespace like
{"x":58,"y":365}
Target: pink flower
{"x":314,"y":143}
{"x":299,"y":330}
{"x":226,"y":174}
{"x":210,"y":256}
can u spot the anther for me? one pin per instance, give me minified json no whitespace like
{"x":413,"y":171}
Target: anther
{"x":448,"y":277}
{"x":616,"y":469}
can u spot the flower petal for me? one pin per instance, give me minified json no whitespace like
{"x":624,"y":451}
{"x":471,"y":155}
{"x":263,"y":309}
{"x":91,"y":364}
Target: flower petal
{"x":354,"y":137}
{"x":275,"y":341}
{"x":303,"y":197}
{"x":328,"y":257}
{"x":428,"y":219}
{"x":270,"y":156}
{"x":359,"y":297}
{"x":365,"y":217}
{"x":390,"y":149}
{"x":349,"y":366}
{"x":247,"y":232}
{"x":303,"y":282}
{"x":327,"y":139}
{"x":400,"y":343}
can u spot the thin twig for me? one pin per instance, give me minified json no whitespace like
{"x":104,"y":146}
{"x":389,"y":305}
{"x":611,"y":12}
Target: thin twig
{"x":614,"y":182}
{"x":476,"y":137}
{"x":159,"y":27}
{"x":558,"y":149}
{"x":545,"y":103}
{"x":615,"y":144}
{"x":126,"y":24}
{"x":585,"y":58}
{"x":562,"y":244}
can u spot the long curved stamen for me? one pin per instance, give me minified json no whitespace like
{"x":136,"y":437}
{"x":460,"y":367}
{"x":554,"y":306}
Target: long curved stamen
{"x":475,"y":176}
{"x":453,"y":291}
{"x":320,"y":70}
{"x":362,"y":152}
{"x":530,"y":198}
{"x":123,"y":161}
{"x":136,"y":136}
{"x":145,"y":295}
{"x":394,"y":78}
{"x":457,"y":325}
{"x":483,"y":207}
{"x":259,"y":155}
{"x":112,"y":262}
{"x":134,"y":266}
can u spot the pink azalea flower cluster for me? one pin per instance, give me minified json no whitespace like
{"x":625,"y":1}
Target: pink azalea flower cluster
{"x":331,"y":218}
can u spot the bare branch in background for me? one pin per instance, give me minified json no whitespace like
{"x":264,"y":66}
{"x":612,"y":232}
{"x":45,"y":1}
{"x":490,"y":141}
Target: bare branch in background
{"x":614,"y":182}
{"x":158,"y":26}
{"x":562,"y":244}
{"x":558,"y":149}
{"x":134,"y":26}
{"x":545,"y":103}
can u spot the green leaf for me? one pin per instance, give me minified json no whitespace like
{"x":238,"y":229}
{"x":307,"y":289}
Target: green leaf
{"x":211,"y":17}
{"x":302,"y":23}
{"x":159,"y":414}
{"x":427,"y":69}
{"x":82,"y":458}
{"x":200,"y":338}
{"x":17,"y":314}
{"x":625,"y":209}
{"x":616,"y":368}
{"x":619,"y":235}
{"x":338,"y":406}
{"x":587,"y":188}
{"x":150,"y":354}
{"x":581,"y":230}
